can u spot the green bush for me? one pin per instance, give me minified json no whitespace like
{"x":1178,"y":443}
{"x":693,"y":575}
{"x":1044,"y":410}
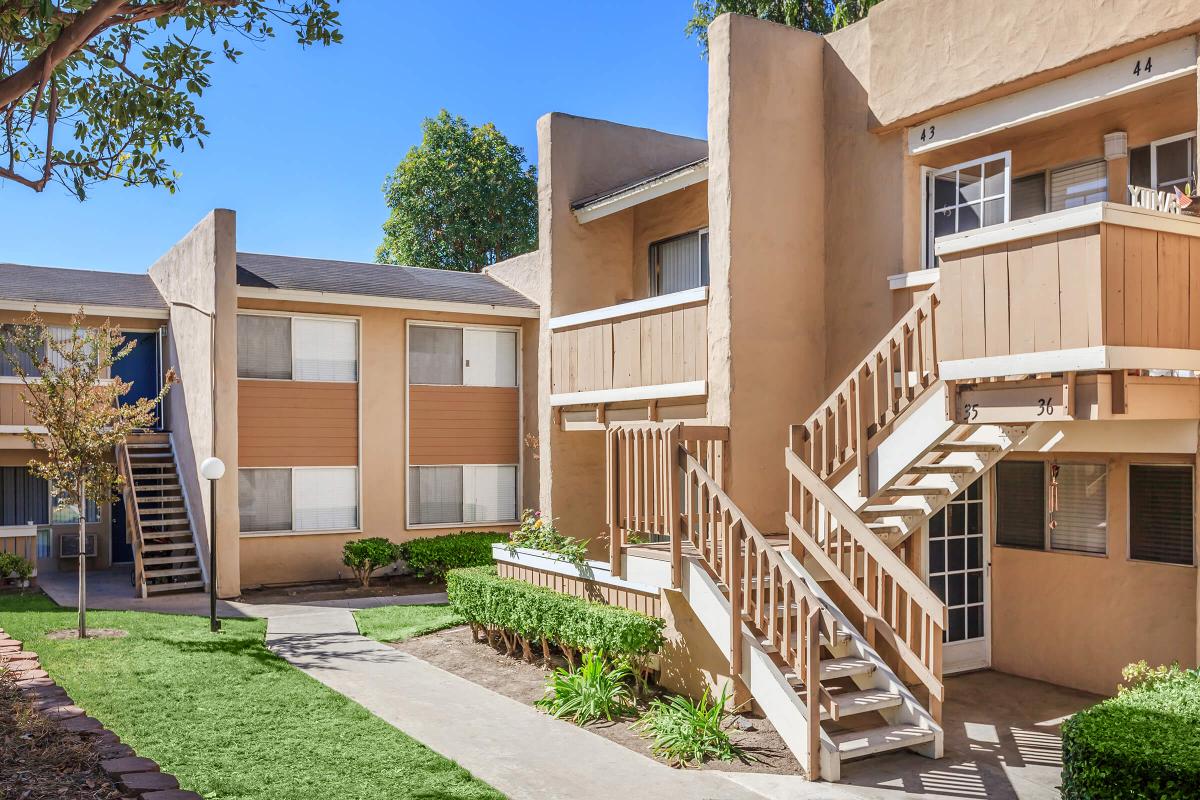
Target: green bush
{"x":364,"y":556}
{"x":597,"y":690}
{"x":1144,"y":743}
{"x":686,"y":733}
{"x":13,"y":564}
{"x":433,"y":556}
{"x":538,"y":533}
{"x":532,"y":614}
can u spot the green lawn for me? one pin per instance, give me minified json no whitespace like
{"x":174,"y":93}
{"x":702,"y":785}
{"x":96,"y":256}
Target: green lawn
{"x":397,"y":623}
{"x":228,"y":717}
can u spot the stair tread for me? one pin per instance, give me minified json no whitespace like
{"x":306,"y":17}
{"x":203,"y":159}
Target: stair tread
{"x":179,"y":586}
{"x":941,"y":469}
{"x":180,"y":559}
{"x":166,"y":573}
{"x":845,"y":666}
{"x":166,"y":546}
{"x":861,"y":702}
{"x":966,"y":447}
{"x":880,"y":740}
{"x":905,"y":491}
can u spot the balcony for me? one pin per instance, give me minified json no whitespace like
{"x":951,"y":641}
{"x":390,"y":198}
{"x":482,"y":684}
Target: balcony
{"x":14,"y":414}
{"x":644,"y":350}
{"x":1095,"y":288}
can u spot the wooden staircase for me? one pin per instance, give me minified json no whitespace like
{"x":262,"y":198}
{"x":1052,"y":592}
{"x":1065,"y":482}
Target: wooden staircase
{"x":160,"y":528}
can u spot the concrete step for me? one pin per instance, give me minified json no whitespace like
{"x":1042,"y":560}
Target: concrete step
{"x":845,"y":667}
{"x":880,"y":740}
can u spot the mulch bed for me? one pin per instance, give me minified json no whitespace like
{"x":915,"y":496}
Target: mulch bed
{"x":386,"y":586}
{"x":49,"y":748}
{"x":454,"y":651}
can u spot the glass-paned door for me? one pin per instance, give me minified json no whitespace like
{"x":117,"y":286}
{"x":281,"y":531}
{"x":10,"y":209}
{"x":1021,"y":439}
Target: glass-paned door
{"x":966,"y":196}
{"x":958,"y":574}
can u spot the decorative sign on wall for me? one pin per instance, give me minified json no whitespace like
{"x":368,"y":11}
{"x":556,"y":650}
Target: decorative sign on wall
{"x":1154,"y":200}
{"x":1137,"y":71}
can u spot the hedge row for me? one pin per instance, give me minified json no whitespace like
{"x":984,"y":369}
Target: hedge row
{"x":1143,"y":743}
{"x":434,"y":556}
{"x":536,"y":614}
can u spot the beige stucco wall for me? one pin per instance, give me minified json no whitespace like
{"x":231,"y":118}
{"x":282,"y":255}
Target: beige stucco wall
{"x":293,"y":558}
{"x":766,"y":248}
{"x":200,"y":270}
{"x":929,"y":56}
{"x":1075,"y":619}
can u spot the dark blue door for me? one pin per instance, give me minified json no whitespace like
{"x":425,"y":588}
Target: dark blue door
{"x":140,"y":368}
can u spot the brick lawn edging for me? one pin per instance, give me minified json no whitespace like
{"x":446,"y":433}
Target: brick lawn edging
{"x":138,"y":777}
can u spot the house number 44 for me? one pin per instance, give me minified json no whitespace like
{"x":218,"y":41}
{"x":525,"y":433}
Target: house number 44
{"x":1143,"y":65}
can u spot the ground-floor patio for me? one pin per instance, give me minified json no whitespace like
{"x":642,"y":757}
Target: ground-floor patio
{"x":1002,"y":736}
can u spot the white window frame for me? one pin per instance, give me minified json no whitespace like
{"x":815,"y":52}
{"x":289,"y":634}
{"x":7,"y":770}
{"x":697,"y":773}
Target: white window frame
{"x":520,"y":387}
{"x":1046,"y":532}
{"x":417,"y":526}
{"x":1129,"y":516}
{"x":292,"y":480}
{"x":652,"y":278}
{"x":464,"y":327}
{"x":1154,"y":145}
{"x":254,"y":312}
{"x":928,"y":260}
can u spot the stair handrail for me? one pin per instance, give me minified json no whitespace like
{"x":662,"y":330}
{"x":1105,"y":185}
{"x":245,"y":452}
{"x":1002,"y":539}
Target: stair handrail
{"x":133,"y":520}
{"x":735,"y":550}
{"x":893,"y":600}
{"x":840,"y":429}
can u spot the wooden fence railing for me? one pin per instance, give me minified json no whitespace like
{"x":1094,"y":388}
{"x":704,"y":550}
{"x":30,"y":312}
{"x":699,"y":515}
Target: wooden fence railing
{"x":893,"y":601}
{"x":885,"y":383}
{"x":133,"y":522}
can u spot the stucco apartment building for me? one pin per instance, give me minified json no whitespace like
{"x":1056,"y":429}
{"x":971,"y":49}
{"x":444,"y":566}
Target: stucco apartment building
{"x":893,"y":376}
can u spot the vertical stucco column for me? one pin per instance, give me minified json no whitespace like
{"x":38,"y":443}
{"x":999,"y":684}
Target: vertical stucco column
{"x":198,"y":279}
{"x":767,"y":253}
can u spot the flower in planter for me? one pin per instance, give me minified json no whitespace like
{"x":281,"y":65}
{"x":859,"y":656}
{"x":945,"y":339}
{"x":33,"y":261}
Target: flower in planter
{"x":537,"y":532}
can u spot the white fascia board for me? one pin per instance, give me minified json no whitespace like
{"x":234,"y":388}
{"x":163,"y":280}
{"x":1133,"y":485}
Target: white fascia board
{"x":1129,"y":74}
{"x":89,"y":309}
{"x":1080,"y":359}
{"x":631,"y":309}
{"x":914,"y":279}
{"x":23,"y":428}
{"x":642,"y":193}
{"x":374,"y":301}
{"x":657,"y":392}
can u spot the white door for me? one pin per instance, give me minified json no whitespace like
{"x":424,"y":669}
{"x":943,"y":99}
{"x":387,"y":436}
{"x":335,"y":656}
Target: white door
{"x":489,"y":357}
{"x":958,"y":560}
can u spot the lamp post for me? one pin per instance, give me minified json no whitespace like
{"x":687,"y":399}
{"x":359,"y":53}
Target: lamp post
{"x":211,"y":469}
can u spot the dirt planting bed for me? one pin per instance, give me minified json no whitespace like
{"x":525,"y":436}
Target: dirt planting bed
{"x":454,"y":651}
{"x":386,"y":586}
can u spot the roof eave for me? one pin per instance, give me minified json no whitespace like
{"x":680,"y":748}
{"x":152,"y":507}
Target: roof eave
{"x":674,"y":181}
{"x":377,"y":301}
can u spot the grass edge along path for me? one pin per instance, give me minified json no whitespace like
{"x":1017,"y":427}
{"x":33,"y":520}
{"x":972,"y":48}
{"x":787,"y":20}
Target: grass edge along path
{"x":228,"y":717}
{"x":397,"y":623}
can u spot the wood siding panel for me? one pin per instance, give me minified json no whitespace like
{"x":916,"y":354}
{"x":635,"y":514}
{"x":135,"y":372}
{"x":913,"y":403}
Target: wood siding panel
{"x":463,"y":425}
{"x":1172,"y":290}
{"x":995,"y":301}
{"x":666,"y":346}
{"x":297,"y":424}
{"x":972,"y":299}
{"x":13,"y":410}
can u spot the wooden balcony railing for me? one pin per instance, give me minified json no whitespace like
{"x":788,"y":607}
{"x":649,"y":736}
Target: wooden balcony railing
{"x":645,"y":349}
{"x":1104,"y":286}
{"x":14,"y":414}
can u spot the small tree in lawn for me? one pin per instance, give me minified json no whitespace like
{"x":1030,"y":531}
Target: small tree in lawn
{"x":67,"y":392}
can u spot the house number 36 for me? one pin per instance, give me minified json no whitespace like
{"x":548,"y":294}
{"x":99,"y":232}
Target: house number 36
{"x":1045,"y":407}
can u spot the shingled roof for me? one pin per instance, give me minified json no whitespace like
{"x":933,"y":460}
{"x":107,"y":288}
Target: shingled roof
{"x":78,"y":287}
{"x":374,"y":280}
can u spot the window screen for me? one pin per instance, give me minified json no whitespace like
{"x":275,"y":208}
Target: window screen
{"x":435,"y":355}
{"x":24,"y":497}
{"x":435,"y":494}
{"x":325,"y":499}
{"x":1021,"y":504}
{"x":1081,"y":521}
{"x":679,"y":264}
{"x":490,"y":493}
{"x":265,"y":499}
{"x":9,"y":353}
{"x":1029,"y":196}
{"x":326,"y":349}
{"x":1173,"y":163}
{"x":264,"y":347}
{"x":1160,"y":513}
{"x":489,"y":357}
{"x":69,"y":514}
{"x":1080,"y":185}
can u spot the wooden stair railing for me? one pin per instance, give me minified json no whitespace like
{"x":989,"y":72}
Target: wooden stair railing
{"x":901,"y":368}
{"x":763,"y":590}
{"x":133,"y":524}
{"x":893,"y":601}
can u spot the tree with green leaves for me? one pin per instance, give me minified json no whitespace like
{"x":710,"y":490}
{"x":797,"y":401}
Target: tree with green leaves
{"x":462,"y":199}
{"x":96,"y":90}
{"x":67,"y":391}
{"x":818,"y":16}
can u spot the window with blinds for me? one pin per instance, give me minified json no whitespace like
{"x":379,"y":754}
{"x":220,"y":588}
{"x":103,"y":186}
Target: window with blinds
{"x":325,"y":499}
{"x":435,"y":495}
{"x":1081,"y":520}
{"x":264,"y":347}
{"x":297,"y":348}
{"x":265,"y":500}
{"x":454,"y":495}
{"x":489,"y":493}
{"x":489,"y":357}
{"x":1161,"y":513}
{"x":1021,"y":504}
{"x":679,"y":264}
{"x":9,"y":353}
{"x":1028,"y":196}
{"x":435,"y":355}
{"x":1079,"y":185}
{"x":24,"y":497}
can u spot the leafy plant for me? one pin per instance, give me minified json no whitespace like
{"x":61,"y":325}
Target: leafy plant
{"x":365,"y":556}
{"x":434,"y":556}
{"x":687,"y":732}
{"x":501,"y":607}
{"x":12,"y":564}
{"x":597,"y":690}
{"x":818,"y":16}
{"x":538,"y":533}
{"x":1143,"y":743}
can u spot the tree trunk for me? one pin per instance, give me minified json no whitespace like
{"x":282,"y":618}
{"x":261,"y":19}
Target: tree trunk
{"x":83,"y":561}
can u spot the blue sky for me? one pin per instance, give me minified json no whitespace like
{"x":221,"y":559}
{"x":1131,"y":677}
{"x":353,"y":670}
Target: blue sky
{"x":302,"y":140}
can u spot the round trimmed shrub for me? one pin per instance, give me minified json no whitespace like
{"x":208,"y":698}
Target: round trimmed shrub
{"x":1143,"y":743}
{"x":434,"y":556}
